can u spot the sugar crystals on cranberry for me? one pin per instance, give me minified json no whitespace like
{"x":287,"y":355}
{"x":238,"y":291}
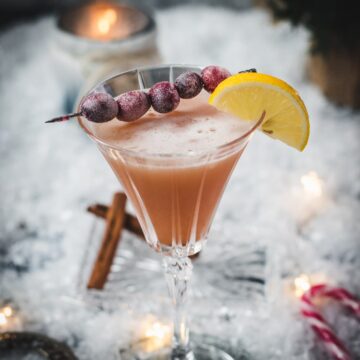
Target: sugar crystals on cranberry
{"x":164,"y":97}
{"x":188,"y":85}
{"x":132,"y":105}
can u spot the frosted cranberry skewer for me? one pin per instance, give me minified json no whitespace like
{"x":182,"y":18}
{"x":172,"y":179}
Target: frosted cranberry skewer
{"x":164,"y":97}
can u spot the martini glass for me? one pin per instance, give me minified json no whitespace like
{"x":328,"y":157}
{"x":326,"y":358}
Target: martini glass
{"x":174,"y":192}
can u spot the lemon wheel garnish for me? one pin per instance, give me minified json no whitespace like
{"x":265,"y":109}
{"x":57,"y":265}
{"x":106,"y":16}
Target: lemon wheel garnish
{"x":247,"y":95}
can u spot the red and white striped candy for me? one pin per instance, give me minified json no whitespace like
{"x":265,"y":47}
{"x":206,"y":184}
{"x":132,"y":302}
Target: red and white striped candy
{"x":334,"y":346}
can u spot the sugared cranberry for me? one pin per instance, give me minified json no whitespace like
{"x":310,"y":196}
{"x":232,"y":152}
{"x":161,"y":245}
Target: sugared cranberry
{"x":212,"y":76}
{"x":164,"y":97}
{"x":132,"y":105}
{"x":188,"y":85}
{"x":99,"y":107}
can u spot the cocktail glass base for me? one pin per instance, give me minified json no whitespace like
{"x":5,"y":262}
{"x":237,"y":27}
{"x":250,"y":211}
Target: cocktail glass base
{"x":201,"y":352}
{"x":203,"y":348}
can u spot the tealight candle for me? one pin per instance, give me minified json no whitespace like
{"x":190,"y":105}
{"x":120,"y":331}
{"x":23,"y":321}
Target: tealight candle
{"x":100,"y":39}
{"x":104,"y":21}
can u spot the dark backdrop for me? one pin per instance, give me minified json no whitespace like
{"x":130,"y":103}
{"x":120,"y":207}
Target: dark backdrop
{"x":14,"y":10}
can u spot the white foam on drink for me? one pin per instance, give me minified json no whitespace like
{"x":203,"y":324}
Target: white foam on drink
{"x":194,"y":126}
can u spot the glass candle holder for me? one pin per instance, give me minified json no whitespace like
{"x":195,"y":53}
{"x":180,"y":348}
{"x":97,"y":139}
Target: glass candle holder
{"x":96,"y":40}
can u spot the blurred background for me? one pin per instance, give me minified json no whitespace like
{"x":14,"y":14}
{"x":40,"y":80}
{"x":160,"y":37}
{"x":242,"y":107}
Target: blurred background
{"x":285,"y":215}
{"x":332,"y":41}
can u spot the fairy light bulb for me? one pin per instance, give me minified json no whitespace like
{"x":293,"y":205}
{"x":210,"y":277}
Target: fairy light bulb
{"x":312,"y":184}
{"x":7,"y":311}
{"x":302,"y":284}
{"x":156,"y":334}
{"x":9,"y":319}
{"x":3,"y":319}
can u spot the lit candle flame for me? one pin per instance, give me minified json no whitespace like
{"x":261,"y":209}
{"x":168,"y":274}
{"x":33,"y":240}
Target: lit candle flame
{"x":301,"y":285}
{"x":312,"y":183}
{"x":106,"y":20}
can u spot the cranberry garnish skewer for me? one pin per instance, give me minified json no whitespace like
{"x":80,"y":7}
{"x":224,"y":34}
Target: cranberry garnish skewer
{"x":163,"y":97}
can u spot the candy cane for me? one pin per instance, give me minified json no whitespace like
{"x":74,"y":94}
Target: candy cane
{"x":334,"y":346}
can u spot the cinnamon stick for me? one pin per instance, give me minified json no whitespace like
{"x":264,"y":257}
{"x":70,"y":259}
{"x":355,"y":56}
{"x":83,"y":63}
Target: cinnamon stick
{"x":131,"y":223}
{"x":115,"y":217}
{"x":99,"y":210}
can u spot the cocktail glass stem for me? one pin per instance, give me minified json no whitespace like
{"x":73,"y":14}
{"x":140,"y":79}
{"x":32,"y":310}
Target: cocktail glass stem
{"x":178,"y":271}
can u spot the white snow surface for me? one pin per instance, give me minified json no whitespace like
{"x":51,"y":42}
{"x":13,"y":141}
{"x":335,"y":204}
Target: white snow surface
{"x":50,"y":173}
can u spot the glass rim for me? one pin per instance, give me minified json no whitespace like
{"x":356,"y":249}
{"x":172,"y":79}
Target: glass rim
{"x":138,"y":154}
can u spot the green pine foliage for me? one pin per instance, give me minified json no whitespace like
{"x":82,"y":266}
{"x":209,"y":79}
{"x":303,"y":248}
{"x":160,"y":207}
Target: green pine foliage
{"x":332,"y":23}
